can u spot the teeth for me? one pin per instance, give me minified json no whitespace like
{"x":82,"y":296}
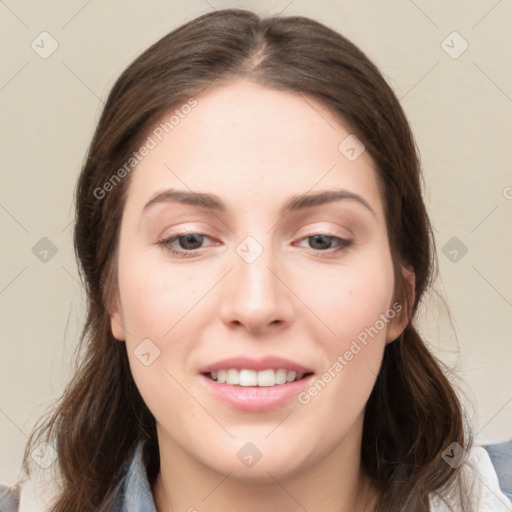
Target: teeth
{"x":280,"y":376}
{"x":267,"y":378}
{"x":232,"y":377}
{"x":245,"y":378}
{"x":264,"y":378}
{"x":290,"y":376}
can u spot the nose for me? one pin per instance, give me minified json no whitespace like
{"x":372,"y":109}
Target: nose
{"x":255,"y":294}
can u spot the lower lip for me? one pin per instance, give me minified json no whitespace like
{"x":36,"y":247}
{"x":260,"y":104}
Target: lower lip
{"x":256,"y":398}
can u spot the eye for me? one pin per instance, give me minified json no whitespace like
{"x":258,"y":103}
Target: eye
{"x":188,"y":243}
{"x":324,"y":242}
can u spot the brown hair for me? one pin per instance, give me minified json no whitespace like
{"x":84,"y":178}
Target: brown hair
{"x":413,"y":413}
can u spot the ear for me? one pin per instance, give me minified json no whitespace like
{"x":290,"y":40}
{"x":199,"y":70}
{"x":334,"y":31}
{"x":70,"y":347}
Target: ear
{"x":397,"y":324}
{"x":116,"y":321}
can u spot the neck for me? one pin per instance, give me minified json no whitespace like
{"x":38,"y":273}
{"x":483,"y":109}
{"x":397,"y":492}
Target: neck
{"x":336,"y":483}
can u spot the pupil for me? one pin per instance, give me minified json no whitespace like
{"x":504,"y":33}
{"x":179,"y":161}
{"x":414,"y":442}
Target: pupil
{"x":324,"y":245}
{"x":189,"y":239}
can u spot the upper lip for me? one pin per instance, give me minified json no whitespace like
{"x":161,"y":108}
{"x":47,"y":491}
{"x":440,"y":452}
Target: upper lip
{"x":263,"y":363}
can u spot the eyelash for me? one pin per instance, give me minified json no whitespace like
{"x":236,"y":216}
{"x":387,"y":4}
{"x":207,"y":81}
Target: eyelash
{"x":166,"y":244}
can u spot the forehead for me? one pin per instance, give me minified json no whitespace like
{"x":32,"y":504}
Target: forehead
{"x":246,"y":142}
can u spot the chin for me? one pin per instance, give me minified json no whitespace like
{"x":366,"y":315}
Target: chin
{"x":247,"y":462}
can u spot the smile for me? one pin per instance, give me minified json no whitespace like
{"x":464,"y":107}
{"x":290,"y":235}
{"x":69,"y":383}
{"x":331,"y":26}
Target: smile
{"x":247,"y":377}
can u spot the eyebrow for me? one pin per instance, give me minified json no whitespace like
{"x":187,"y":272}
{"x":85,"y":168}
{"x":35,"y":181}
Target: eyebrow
{"x":294,"y":203}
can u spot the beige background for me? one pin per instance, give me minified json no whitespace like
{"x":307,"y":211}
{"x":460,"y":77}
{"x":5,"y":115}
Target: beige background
{"x":460,"y":110}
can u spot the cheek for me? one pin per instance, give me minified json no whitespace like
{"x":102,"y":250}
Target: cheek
{"x":355,"y":302}
{"x":153,"y":310}
{"x":160,"y":304}
{"x":351,"y":299}
{"x":155,"y":297}
{"x":354,"y":311}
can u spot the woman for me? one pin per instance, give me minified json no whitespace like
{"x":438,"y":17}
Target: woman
{"x":254,"y":244}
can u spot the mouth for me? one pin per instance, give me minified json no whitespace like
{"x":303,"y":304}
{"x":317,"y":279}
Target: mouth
{"x":256,"y":385}
{"x":264,"y":378}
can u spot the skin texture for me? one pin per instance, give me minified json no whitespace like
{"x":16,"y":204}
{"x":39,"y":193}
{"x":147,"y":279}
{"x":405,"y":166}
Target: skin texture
{"x":254,"y":148}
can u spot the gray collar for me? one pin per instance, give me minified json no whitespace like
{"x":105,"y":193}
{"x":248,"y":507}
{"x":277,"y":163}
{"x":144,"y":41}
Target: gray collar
{"x":136,"y":495}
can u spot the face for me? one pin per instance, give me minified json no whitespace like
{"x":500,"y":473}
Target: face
{"x":254,"y":279}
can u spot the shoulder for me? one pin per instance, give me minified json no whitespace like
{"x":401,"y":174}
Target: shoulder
{"x":34,"y":493}
{"x":9,"y":498}
{"x":481,"y":487}
{"x":39,"y":491}
{"x":485,"y":481}
{"x":501,"y":457}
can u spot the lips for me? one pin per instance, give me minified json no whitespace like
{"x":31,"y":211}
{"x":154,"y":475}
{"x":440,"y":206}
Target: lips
{"x":256,"y":385}
{"x":256,"y":398}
